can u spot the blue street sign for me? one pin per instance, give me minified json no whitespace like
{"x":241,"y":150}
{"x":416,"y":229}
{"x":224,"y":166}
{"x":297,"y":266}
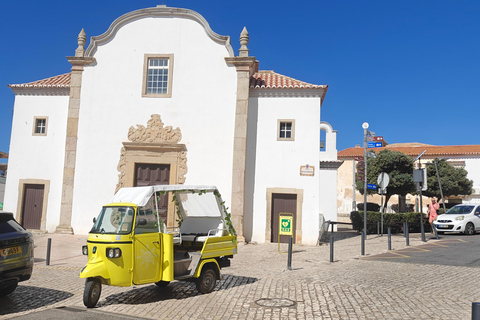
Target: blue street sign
{"x":374,"y":144}
{"x":371,"y":186}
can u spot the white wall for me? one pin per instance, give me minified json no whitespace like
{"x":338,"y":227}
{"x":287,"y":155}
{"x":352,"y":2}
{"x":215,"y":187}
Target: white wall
{"x":37,"y":157}
{"x":202,"y":106}
{"x":277,"y":163}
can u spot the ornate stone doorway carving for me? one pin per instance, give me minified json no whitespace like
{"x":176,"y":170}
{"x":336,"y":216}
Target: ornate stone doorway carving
{"x":153,"y":144}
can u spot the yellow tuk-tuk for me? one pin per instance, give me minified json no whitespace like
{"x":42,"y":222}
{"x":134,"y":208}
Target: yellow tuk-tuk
{"x":129,"y":243}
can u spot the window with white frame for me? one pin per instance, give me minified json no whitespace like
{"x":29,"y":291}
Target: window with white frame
{"x":286,"y":130}
{"x":40,"y":126}
{"x":157,"y":80}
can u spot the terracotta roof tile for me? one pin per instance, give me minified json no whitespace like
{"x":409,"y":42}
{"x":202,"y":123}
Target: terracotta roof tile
{"x":273,"y":80}
{"x":431,"y":151}
{"x":61,"y":81}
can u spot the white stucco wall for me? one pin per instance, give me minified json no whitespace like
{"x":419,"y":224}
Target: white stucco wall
{"x":277,"y":163}
{"x":328,"y":194}
{"x":202,"y":106}
{"x":37,"y":157}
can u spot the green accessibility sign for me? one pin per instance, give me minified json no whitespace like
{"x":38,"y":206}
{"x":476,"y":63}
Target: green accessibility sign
{"x":285,"y":224}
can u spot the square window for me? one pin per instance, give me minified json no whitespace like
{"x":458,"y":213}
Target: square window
{"x":158,"y":76}
{"x":286,"y":130}
{"x":40,"y":126}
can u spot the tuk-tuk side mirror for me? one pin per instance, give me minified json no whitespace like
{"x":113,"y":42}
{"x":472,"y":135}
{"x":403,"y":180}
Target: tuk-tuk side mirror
{"x":94,"y":219}
{"x":141,"y":222}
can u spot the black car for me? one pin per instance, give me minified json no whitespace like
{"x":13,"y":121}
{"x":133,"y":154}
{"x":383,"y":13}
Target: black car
{"x":16,"y":253}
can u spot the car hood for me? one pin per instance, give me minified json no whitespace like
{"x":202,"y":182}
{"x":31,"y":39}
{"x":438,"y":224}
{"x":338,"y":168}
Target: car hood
{"x":450,"y":216}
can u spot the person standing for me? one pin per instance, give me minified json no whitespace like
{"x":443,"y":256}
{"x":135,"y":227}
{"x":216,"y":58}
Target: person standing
{"x":433,"y":208}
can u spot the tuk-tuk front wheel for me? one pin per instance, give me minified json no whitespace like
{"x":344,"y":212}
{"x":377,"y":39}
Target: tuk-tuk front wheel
{"x":207,"y":281}
{"x":162,"y":284}
{"x":91,"y":294}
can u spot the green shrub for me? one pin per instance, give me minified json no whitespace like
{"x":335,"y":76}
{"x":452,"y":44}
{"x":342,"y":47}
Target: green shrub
{"x":393,"y":220}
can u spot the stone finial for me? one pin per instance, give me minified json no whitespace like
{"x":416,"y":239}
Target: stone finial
{"x":244,"y":38}
{"x":82,"y":39}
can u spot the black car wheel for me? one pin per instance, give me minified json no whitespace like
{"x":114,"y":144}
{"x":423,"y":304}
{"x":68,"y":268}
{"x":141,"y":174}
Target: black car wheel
{"x":91,"y":294}
{"x":8,"y":289}
{"x":207,"y":281}
{"x":469,"y":229}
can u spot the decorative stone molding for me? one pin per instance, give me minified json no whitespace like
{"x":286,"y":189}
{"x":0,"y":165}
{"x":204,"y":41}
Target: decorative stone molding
{"x":157,"y":12}
{"x":155,"y":132}
{"x":152,"y":144}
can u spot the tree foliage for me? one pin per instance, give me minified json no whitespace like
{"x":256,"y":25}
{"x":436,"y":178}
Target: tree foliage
{"x":399,"y":168}
{"x":453,"y":180}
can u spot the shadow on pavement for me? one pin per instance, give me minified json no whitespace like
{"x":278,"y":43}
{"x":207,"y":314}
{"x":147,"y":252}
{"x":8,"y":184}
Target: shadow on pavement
{"x":27,"y":298}
{"x":176,"y":290}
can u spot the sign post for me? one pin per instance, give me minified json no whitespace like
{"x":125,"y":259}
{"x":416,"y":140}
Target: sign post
{"x":382,"y":180}
{"x":285,"y":228}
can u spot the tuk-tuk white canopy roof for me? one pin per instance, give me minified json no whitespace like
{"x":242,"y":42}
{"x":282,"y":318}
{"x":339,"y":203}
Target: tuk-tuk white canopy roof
{"x":141,"y":195}
{"x":192,"y":204}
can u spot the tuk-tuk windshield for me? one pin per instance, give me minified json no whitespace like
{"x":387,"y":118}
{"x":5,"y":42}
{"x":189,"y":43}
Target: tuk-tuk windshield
{"x":114,"y":220}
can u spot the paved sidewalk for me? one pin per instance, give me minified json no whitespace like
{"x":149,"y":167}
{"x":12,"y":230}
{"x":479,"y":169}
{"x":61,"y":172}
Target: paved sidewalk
{"x":258,"y":286}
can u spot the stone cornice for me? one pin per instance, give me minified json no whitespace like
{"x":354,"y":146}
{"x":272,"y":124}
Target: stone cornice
{"x":159,"y":11}
{"x":330,"y":164}
{"x":165,"y":147}
{"x":41,"y":91}
{"x":287,"y":93}
{"x":79,"y":62}
{"x":247,"y":64}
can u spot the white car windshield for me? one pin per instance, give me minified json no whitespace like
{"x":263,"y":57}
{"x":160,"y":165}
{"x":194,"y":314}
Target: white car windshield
{"x":460,"y":210}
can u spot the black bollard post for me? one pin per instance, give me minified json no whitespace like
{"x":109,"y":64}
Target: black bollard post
{"x":331,"y":248}
{"x":389,"y":238}
{"x":290,"y":245}
{"x":407,"y":235}
{"x":363,"y":243}
{"x":475,"y":310}
{"x":49,"y":246}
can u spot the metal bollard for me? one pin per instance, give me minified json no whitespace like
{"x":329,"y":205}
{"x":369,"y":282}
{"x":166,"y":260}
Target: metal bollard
{"x":475,"y":310}
{"x":363,"y":244}
{"x":290,"y":245}
{"x":331,"y":248}
{"x":49,"y":246}
{"x":407,"y":238}
{"x":389,"y":238}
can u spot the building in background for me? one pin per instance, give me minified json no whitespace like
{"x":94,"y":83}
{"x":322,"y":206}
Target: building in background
{"x":466,"y":157}
{"x":160,"y":98}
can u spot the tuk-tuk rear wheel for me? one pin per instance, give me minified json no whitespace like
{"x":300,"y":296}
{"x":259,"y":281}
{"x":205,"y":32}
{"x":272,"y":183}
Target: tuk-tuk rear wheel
{"x":207,"y":281}
{"x":91,"y":294}
{"x":162,"y":283}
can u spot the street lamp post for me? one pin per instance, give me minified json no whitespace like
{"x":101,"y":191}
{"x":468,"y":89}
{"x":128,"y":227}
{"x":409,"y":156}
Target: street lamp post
{"x":365,"y":143}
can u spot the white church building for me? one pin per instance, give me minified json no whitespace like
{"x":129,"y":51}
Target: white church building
{"x":160,"y":98}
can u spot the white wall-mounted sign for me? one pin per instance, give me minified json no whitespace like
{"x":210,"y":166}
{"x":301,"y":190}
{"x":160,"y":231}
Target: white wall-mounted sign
{"x":307,"y":170}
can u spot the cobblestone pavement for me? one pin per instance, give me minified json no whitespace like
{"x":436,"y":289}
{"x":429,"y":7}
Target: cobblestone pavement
{"x":258,"y":286}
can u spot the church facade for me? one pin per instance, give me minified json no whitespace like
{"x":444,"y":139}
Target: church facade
{"x":160,"y":98}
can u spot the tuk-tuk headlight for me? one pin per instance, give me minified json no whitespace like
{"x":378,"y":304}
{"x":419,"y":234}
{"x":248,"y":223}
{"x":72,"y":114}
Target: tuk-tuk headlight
{"x":114,"y":253}
{"x":85,"y":250}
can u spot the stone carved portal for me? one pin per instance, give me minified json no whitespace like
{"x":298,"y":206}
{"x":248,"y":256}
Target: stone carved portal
{"x":154,"y":144}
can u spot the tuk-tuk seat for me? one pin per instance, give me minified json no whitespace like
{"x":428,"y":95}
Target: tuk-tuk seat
{"x":199,"y":229}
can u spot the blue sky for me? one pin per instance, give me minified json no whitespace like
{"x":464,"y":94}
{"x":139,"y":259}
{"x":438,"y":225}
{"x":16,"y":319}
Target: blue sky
{"x":408,"y":68}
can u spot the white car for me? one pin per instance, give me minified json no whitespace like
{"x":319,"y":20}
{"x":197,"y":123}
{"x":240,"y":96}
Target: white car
{"x":463,"y":218}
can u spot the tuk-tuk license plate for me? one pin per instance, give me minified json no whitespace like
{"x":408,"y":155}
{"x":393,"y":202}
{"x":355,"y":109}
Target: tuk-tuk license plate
{"x":10,"y":251}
